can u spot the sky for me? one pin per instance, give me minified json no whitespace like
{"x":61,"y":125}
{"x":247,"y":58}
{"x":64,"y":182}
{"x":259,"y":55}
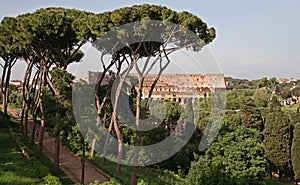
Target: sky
{"x":255,"y":38}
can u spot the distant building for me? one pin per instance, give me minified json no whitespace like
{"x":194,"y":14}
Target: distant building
{"x":286,"y":80}
{"x":180,"y":87}
{"x":175,"y":87}
{"x":17,"y":83}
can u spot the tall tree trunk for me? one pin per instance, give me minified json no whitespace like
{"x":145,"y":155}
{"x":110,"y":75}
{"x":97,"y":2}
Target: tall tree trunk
{"x":3,"y":85}
{"x":11,"y":62}
{"x":43,"y":69}
{"x":106,"y":140}
{"x":120,"y":153}
{"x":26,"y":100}
{"x":99,"y":109}
{"x":57,"y":153}
{"x":280,"y":173}
{"x":82,"y":161}
{"x":21,"y":124}
{"x":133,"y":180}
{"x":26,"y":121}
{"x":33,"y":129}
{"x":41,"y":130}
{"x":120,"y":144}
{"x":6,"y":73}
{"x":6,"y":92}
{"x":93,"y":149}
{"x":35,"y":106}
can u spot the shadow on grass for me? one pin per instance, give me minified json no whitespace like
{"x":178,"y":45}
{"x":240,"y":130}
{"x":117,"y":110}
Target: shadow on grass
{"x":14,"y":167}
{"x":145,"y":175}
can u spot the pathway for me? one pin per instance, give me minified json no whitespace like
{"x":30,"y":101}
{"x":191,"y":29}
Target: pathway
{"x":69,"y":162}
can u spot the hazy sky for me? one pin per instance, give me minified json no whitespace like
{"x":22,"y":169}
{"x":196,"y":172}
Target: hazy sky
{"x":255,"y":38}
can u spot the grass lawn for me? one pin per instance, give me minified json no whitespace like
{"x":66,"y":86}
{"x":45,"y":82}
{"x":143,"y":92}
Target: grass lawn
{"x":275,"y":182}
{"x":144,"y":174}
{"x":15,"y":169}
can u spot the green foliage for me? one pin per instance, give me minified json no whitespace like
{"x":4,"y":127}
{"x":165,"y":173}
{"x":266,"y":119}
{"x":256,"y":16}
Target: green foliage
{"x":74,"y":140}
{"x":15,"y":97}
{"x":285,"y":92}
{"x":251,"y":115}
{"x":296,"y":91}
{"x":277,"y":136}
{"x":275,"y":182}
{"x":16,"y":169}
{"x":181,"y":161}
{"x":112,"y":181}
{"x":51,"y":180}
{"x":202,"y":111}
{"x":48,"y":29}
{"x":144,"y":174}
{"x":270,"y":84}
{"x":153,"y":12}
{"x":233,"y":83}
{"x":53,"y":37}
{"x":233,"y":118}
{"x":296,"y":151}
{"x":234,"y":158}
{"x":58,"y":109}
{"x":233,"y":99}
{"x":261,"y":98}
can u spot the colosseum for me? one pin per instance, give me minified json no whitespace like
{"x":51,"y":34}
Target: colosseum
{"x":179,"y":87}
{"x":175,"y":87}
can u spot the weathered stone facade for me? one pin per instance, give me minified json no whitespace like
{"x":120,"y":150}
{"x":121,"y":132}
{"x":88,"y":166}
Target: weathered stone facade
{"x":179,"y":87}
{"x":175,"y":87}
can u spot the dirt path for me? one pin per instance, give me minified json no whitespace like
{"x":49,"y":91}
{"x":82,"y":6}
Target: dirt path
{"x":69,"y":162}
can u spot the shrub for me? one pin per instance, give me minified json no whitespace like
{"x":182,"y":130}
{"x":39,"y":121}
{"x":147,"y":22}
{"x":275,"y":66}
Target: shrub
{"x":51,"y":180}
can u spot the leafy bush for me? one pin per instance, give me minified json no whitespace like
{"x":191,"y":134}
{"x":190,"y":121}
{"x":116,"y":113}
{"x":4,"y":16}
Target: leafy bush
{"x":235,"y":158}
{"x":51,"y":180}
{"x":111,"y":182}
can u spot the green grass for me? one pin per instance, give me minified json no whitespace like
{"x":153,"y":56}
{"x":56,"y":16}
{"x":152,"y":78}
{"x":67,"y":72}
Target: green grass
{"x":147,"y":175}
{"x":275,"y":182}
{"x":18,"y":170}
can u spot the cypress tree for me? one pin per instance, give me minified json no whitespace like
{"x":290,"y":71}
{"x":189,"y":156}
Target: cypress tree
{"x":277,"y":137}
